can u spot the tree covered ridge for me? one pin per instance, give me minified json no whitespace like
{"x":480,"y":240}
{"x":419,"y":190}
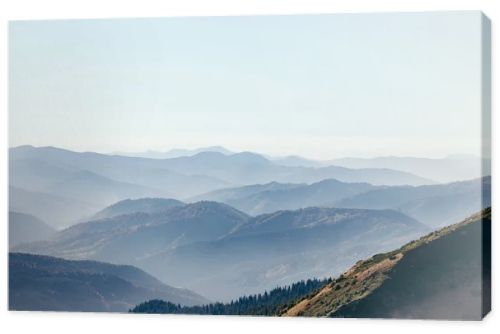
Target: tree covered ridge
{"x":266,"y":304}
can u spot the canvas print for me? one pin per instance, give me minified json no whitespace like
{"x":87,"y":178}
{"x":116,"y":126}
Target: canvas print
{"x":333,"y":165}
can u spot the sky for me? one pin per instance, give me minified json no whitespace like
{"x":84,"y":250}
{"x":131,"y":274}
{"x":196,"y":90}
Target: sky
{"x":320,"y":86}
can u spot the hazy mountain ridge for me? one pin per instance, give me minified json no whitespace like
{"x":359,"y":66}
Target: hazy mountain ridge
{"x":301,"y":222}
{"x":173,"y":153}
{"x":24,"y":228}
{"x":270,"y":250}
{"x":55,"y":210}
{"x":124,"y":238}
{"x":149,"y":173}
{"x":271,"y":197}
{"x":80,"y":174}
{"x":52,"y":284}
{"x":96,"y":189}
{"x":145,"y":205}
{"x":297,"y":161}
{"x":314,"y":217}
{"x":445,"y":170}
{"x":236,"y":193}
{"x":238,"y":168}
{"x":90,"y":181}
{"x":211,"y":247}
{"x":435,"y":205}
{"x":448,"y":169}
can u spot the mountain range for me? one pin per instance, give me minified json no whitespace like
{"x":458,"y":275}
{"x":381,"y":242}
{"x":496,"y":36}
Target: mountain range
{"x":447,"y":169}
{"x":173,"y":153}
{"x":444,"y":170}
{"x":434,"y":205}
{"x":270,"y":197}
{"x":222,"y":252}
{"x":123,"y":238}
{"x":42,"y":283}
{"x":55,"y":210}
{"x":88,"y":181}
{"x":220,"y":223}
{"x":445,"y":274}
{"x":145,"y":205}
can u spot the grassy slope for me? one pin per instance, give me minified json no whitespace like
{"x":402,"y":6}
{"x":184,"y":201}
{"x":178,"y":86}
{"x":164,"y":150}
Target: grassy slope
{"x":362,"y":291}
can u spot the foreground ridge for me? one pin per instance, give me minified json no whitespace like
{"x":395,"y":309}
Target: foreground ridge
{"x":366,"y":276}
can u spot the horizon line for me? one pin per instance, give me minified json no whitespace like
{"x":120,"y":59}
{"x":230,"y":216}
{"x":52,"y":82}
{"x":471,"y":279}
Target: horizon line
{"x":232,"y":152}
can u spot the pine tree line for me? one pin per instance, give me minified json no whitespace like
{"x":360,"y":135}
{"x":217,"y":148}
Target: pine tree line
{"x":267,"y":303}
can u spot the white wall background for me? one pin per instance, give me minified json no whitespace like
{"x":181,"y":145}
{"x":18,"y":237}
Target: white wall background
{"x":102,"y":323}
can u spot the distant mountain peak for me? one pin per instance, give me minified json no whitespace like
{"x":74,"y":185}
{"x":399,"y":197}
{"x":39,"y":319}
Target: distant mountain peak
{"x":144,"y":200}
{"x":217,"y":148}
{"x":24,"y":228}
{"x":177,"y":152}
{"x":144,"y":205}
{"x":202,"y":208}
{"x":250,"y":157}
{"x":174,"y":153}
{"x":208,"y":154}
{"x":21,"y":147}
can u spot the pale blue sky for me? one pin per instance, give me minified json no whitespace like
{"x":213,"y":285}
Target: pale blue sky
{"x":321,"y":86}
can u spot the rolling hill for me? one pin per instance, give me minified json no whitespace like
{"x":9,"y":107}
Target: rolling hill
{"x":98,"y":190}
{"x":42,"y":283}
{"x":247,"y":168}
{"x":174,"y":153}
{"x":443,"y":275}
{"x":63,"y":165}
{"x":57,"y":211}
{"x":234,"y":194}
{"x":270,"y":197}
{"x":185,"y":176}
{"x":24,"y":228}
{"x":145,"y":205}
{"x":128,"y":238}
{"x":88,"y":181}
{"x":223,"y":253}
{"x":434,"y":205}
{"x":282,"y":248}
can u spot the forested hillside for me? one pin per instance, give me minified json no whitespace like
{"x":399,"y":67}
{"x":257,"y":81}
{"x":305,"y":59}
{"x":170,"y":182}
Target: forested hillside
{"x":268,"y":303}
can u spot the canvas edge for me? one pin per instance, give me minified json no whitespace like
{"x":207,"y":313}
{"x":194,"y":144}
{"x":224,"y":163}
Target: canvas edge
{"x":485,"y":158}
